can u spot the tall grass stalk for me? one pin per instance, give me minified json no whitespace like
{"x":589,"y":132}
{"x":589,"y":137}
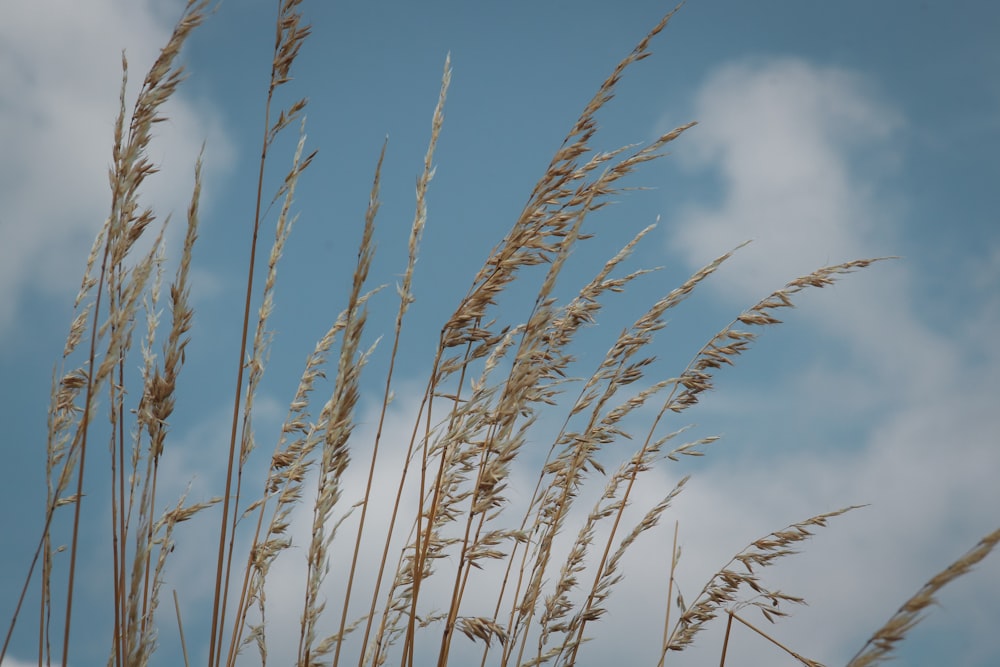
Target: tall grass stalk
{"x":451,"y":517}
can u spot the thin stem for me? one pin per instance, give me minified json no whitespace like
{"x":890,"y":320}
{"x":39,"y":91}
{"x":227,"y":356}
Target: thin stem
{"x":82,"y":437}
{"x":670,"y":597}
{"x":180,"y":629}
{"x":215,"y":635}
{"x":725,"y":641}
{"x":803,"y":660}
{"x":378,"y":434}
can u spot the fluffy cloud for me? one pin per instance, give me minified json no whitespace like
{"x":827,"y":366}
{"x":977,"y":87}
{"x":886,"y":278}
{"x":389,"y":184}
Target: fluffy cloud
{"x":780,"y":133}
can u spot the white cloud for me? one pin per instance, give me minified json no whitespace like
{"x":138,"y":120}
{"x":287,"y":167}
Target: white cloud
{"x":779,"y":132}
{"x":788,"y":141}
{"x":60,"y":76}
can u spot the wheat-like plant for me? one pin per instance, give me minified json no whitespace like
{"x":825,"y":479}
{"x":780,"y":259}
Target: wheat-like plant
{"x":491,"y":379}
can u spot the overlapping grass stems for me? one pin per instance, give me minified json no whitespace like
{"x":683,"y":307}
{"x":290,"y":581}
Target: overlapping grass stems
{"x":489,"y":379}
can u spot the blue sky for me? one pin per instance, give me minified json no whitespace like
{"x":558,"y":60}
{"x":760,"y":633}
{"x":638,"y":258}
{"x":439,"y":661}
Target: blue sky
{"x":827,"y":132}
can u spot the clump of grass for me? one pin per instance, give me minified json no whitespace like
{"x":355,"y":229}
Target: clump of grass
{"x":452,"y":517}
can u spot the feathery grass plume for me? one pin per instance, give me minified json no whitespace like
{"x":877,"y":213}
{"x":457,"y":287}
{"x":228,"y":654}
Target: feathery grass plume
{"x":558,"y":606}
{"x":112,"y":290}
{"x":155,"y":408}
{"x":335,"y":426}
{"x":723,"y":587}
{"x":124,"y":228}
{"x":293,"y":459}
{"x":405,"y":299}
{"x":290,"y":34}
{"x":879,"y":647}
{"x":566,"y":470}
{"x":257,"y":362}
{"x":708,"y":358}
{"x":134,"y":629}
{"x":550,"y":205}
{"x":544,"y":232}
{"x":581,"y":310}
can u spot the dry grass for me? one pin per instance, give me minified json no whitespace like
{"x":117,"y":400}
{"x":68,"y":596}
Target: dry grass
{"x":452,"y":516}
